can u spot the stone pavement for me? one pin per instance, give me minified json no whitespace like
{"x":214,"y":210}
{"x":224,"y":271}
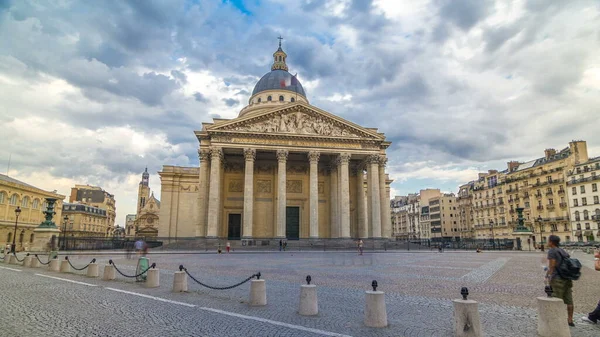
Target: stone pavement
{"x":418,"y":286}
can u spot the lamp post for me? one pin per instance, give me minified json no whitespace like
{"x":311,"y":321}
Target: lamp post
{"x":64,"y":243}
{"x":539,"y":221}
{"x":492,"y":230}
{"x":17,"y":213}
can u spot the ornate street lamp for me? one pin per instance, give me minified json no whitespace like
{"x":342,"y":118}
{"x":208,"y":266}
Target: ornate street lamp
{"x":539,"y":221}
{"x":66,"y":218}
{"x":17,"y":213}
{"x":492,"y":230}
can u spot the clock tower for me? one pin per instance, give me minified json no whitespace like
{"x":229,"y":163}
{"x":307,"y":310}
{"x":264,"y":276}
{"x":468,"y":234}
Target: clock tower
{"x":143,"y":191}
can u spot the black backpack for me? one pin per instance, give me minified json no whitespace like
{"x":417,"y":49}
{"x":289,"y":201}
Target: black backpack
{"x":568,"y":268}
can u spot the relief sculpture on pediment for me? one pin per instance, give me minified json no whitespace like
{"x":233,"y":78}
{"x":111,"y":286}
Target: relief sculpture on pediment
{"x":298,"y":123}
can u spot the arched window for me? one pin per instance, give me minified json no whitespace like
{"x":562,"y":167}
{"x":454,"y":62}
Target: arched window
{"x":2,"y":197}
{"x":21,"y":237}
{"x":577,"y":218}
{"x":31,"y":238}
{"x":586,"y":215}
{"x":25,"y":202}
{"x":293,"y":100}
{"x":279,"y":58}
{"x":281,"y":98}
{"x":259,"y":100}
{"x":9,"y":237}
{"x":13,"y":199}
{"x":84,"y":227}
{"x":36,"y":203}
{"x":269,"y":98}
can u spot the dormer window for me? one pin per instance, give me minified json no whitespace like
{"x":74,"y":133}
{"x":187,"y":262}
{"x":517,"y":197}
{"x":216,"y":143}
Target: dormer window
{"x":259,"y":100}
{"x":269,"y":98}
{"x":293,"y":100}
{"x":281,"y":98}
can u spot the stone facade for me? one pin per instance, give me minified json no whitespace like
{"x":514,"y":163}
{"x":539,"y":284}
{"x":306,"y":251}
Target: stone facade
{"x":97,"y":197}
{"x":282,"y":169}
{"x":83,"y":221}
{"x":584,"y":200}
{"x":31,"y":201}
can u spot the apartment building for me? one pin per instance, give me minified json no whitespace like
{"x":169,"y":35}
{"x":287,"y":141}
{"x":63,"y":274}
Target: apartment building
{"x":489,"y":206}
{"x":584,"y":200}
{"x":97,"y":197}
{"x":84,"y":221}
{"x":539,"y":187}
{"x":465,"y":210}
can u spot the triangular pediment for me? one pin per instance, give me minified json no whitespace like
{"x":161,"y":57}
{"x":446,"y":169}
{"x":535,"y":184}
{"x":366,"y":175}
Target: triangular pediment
{"x":297,"y":119}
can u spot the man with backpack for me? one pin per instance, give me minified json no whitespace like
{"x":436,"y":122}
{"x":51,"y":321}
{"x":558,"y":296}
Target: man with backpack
{"x":562,"y":271}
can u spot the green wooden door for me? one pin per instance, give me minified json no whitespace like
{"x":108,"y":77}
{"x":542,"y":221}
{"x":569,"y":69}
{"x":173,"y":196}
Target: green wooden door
{"x":292,"y":223}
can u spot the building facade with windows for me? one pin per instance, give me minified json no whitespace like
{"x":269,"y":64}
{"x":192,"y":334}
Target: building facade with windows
{"x":539,"y":187}
{"x":489,"y":206}
{"x":465,"y":210}
{"x":32,"y":203}
{"x":97,"y":197}
{"x":84,"y":221}
{"x":583,"y":181}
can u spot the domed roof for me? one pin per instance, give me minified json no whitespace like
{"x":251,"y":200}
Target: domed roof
{"x":279,"y":80}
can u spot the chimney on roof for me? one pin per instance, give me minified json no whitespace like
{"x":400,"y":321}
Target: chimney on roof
{"x":549,"y":153}
{"x":512,"y":165}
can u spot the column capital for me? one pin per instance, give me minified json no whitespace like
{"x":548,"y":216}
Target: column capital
{"x":372,"y":159}
{"x":383,"y":161}
{"x":216,"y":153}
{"x":282,"y":155}
{"x":344,"y":158}
{"x":250,"y":154}
{"x":203,"y":154}
{"x":313,"y":156}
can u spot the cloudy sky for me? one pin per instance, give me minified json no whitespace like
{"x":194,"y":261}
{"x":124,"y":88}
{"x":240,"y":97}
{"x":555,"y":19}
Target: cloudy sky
{"x":94,"y":91}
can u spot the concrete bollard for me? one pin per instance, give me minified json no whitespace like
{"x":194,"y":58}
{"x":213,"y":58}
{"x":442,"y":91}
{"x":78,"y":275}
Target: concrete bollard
{"x":308,"y":299}
{"x":466,"y":317}
{"x":12,"y":259}
{"x":35,"y":263}
{"x":153,"y":279}
{"x":180,"y":281}
{"x":27,"y":261}
{"x":54,"y":265}
{"x":258,"y":292}
{"x":375,"y":311}
{"x":65,"y":267}
{"x":552,"y":316}
{"x":92,"y":270}
{"x":109,"y":273}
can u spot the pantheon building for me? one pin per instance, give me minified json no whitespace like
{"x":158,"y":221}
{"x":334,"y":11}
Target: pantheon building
{"x":283,"y":169}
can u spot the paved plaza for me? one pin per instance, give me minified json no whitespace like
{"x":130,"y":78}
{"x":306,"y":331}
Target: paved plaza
{"x":419,"y":287}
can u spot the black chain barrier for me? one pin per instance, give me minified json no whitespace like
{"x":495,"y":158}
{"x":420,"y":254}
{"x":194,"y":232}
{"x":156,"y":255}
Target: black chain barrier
{"x":152,"y":266}
{"x":47,"y":263}
{"x":181,"y":268}
{"x":72,"y":266}
{"x":17,"y":258}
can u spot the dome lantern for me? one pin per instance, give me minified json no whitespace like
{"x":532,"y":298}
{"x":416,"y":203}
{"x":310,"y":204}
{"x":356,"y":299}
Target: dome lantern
{"x":279,"y":58}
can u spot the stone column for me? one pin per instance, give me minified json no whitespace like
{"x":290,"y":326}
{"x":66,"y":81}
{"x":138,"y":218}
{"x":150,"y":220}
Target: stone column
{"x":344,"y":199}
{"x":333,"y":202}
{"x":204,"y":156}
{"x":313,"y":157}
{"x":214,"y":202}
{"x":375,"y":196}
{"x":386,"y":222}
{"x":281,"y":192}
{"x":250,"y":155}
{"x":360,"y":202}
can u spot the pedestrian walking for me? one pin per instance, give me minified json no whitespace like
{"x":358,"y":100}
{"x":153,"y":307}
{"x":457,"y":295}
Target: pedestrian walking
{"x":594,"y":316}
{"x":280,"y":245}
{"x":139,"y":246}
{"x":284,"y":245}
{"x":360,"y":247}
{"x":228,"y":246}
{"x":558,"y":277}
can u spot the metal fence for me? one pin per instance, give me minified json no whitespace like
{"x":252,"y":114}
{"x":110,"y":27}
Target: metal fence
{"x":94,"y":243}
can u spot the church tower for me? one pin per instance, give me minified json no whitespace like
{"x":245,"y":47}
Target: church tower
{"x":143,"y":191}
